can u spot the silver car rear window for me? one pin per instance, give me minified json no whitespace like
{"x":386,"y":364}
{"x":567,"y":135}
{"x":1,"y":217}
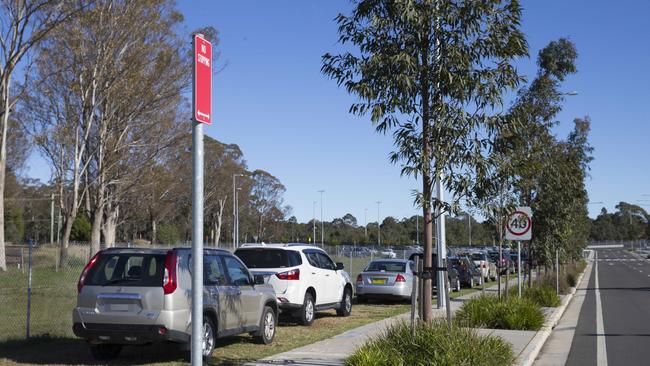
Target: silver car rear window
{"x":381,"y":266}
{"x":127,"y":269}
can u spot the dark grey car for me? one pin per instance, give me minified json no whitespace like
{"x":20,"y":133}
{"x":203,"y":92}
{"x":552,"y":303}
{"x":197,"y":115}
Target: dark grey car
{"x":133,"y":296}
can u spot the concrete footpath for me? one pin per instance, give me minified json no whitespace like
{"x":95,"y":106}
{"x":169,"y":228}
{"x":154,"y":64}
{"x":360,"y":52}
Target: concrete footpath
{"x":335,"y":350}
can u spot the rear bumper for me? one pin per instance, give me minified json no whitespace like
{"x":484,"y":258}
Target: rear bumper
{"x":127,"y":333}
{"x":383,"y":291}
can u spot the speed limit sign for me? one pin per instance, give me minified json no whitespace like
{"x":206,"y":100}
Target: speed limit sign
{"x":519,"y":224}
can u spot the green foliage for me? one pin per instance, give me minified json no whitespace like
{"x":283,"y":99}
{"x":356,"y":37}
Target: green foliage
{"x":168,"y":234}
{"x":489,"y":311}
{"x":629,"y":222}
{"x":543,"y":295}
{"x":433,"y":344}
{"x":432,"y":73}
{"x":80,"y":229}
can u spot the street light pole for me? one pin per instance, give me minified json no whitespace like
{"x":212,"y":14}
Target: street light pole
{"x":234,"y":208}
{"x":417,"y":229}
{"x":314,"y":220}
{"x":378,"y":226}
{"x":237,"y":218}
{"x":52,"y":218}
{"x":322,"y":224}
{"x":365,"y":222}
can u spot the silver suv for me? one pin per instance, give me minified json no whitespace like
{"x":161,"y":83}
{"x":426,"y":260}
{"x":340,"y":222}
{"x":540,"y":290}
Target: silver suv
{"x":129,"y":296}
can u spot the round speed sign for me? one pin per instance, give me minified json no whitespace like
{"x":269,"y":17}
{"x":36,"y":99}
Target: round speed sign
{"x":519,"y":224}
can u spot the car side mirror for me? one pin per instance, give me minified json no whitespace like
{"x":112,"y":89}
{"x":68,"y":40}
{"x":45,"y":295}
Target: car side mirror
{"x":339,"y":266}
{"x":258,"y":279}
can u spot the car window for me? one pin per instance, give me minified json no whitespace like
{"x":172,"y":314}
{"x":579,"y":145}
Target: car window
{"x":268,"y":258}
{"x":238,"y":274}
{"x":213,"y":273}
{"x":312,"y":258}
{"x":127,"y":269}
{"x":387,"y":266}
{"x":325,"y":261}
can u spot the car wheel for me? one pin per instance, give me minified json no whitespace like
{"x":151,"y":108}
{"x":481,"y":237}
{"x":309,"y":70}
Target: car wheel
{"x":267,"y":327}
{"x":209,"y":337}
{"x":308,"y":310}
{"x":471,"y":282}
{"x":345,"y":308}
{"x":457,"y":287}
{"x":105,"y":351}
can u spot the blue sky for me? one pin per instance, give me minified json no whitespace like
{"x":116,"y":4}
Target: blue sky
{"x":272,"y":100}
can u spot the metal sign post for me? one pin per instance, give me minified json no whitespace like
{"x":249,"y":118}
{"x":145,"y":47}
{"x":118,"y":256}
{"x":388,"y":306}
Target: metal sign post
{"x":202,"y":113}
{"x":519,"y":227}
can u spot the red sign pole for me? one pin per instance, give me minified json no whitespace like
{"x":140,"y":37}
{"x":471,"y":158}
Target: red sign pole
{"x":202,"y":114}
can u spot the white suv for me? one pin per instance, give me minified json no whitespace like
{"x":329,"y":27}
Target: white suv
{"x":304,"y":277}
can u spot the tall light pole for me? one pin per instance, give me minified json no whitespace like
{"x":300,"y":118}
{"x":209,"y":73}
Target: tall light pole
{"x":365,"y":222}
{"x":237,"y":217}
{"x":378,"y":226}
{"x":234,"y":207}
{"x":441,"y":246}
{"x":314,"y":221}
{"x":322,"y":225}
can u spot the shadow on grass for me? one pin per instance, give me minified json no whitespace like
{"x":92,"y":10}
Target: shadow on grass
{"x":65,"y":351}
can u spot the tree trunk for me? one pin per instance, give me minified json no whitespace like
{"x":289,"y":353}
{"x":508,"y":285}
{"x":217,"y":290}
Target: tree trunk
{"x":154,"y":231}
{"x":109,"y":228}
{"x":219,"y":221}
{"x":65,"y":240}
{"x":3,"y":168}
{"x":96,"y":231}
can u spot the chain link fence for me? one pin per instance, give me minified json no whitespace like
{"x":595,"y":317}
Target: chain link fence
{"x":48,"y":309}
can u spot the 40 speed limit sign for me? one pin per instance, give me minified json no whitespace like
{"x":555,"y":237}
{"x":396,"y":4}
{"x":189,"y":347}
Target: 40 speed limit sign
{"x":519,"y":224}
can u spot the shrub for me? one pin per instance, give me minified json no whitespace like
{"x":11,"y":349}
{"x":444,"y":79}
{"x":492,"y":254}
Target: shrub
{"x":573,"y":270}
{"x":433,"y":344}
{"x":168,"y":234}
{"x":489,"y":311}
{"x":543,"y":295}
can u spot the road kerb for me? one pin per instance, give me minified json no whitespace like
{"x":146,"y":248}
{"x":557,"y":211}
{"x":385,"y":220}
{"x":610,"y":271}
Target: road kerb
{"x":529,"y":354}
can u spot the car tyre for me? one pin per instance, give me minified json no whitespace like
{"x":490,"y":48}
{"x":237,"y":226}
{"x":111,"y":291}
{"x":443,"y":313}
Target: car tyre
{"x":105,"y":351}
{"x":457,"y":285}
{"x":209,"y":337}
{"x":471,"y":282}
{"x":267,"y":327}
{"x":345,"y":308}
{"x":308,"y":311}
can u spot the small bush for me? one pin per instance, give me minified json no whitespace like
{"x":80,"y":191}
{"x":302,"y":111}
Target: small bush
{"x":543,"y":295}
{"x":489,"y":311}
{"x":433,"y":344}
{"x":573,"y":272}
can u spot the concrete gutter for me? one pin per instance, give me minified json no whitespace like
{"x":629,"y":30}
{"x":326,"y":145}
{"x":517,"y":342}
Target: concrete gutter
{"x":529,"y":354}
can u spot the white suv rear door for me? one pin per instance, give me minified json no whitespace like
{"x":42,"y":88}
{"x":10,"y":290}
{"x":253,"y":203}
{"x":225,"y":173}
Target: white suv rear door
{"x":332,"y":280}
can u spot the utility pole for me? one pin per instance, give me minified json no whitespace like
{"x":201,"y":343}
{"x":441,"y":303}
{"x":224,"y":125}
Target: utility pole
{"x":237,"y":218}
{"x":322,"y":224}
{"x":51,"y":218}
{"x":378,"y":226}
{"x":314,"y":220}
{"x":234,"y":208}
{"x":365,"y":222}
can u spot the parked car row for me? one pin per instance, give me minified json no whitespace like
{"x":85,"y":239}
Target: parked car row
{"x":133,"y":296}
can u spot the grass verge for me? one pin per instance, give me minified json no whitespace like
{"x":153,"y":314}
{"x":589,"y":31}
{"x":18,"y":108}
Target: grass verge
{"x":433,"y":344}
{"x":487,"y":311}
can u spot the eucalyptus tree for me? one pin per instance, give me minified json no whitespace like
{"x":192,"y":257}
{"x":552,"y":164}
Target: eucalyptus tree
{"x":432,"y":72}
{"x":23,"y":25}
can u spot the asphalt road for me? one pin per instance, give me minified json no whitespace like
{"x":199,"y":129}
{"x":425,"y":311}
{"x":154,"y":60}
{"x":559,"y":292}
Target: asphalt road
{"x":618,"y":334}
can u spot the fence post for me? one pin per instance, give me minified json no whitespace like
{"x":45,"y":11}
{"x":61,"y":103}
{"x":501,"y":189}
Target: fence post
{"x":557,"y":272}
{"x":351,"y":262}
{"x":29,"y":289}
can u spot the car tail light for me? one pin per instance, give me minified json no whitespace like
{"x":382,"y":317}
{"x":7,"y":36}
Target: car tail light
{"x":170,"y":282}
{"x":294,"y":274}
{"x":359,"y":278}
{"x":400,"y":278}
{"x":87,"y":268}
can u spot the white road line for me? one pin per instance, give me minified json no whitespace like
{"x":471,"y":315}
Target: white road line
{"x":601,"y":346}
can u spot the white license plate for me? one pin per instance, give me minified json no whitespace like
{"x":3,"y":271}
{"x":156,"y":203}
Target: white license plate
{"x":119,"y":307}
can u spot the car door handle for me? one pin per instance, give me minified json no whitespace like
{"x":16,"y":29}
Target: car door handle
{"x":327,"y":275}
{"x":313,"y":273}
